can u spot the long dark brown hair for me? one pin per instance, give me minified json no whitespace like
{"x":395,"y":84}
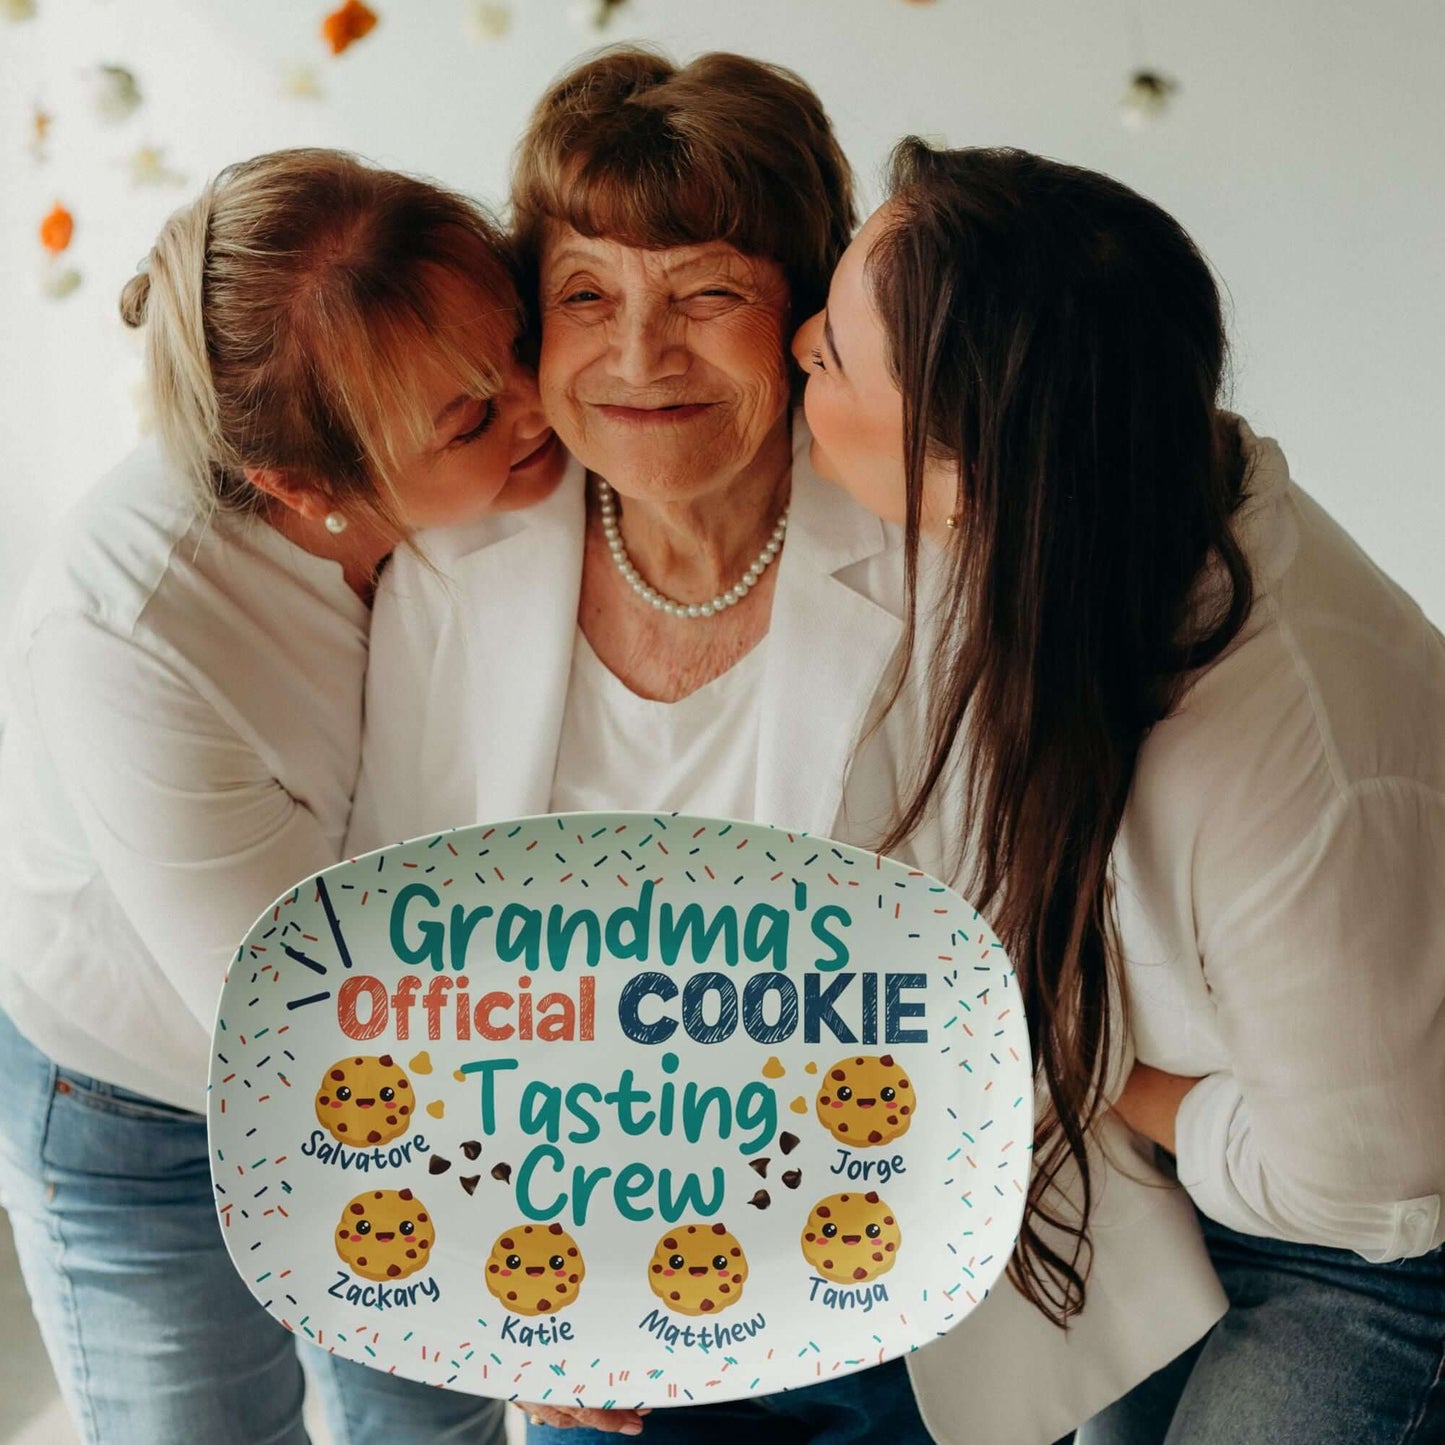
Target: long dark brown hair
{"x":1060,"y":339}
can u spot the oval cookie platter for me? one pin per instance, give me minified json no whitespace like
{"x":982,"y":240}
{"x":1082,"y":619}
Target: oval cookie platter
{"x":620,"y":1109}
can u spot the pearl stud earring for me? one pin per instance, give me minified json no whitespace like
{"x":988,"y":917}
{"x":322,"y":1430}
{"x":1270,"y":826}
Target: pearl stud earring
{"x":336,"y":524}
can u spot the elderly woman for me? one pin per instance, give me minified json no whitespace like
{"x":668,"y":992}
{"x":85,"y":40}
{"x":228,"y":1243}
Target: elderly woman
{"x":694,"y":621}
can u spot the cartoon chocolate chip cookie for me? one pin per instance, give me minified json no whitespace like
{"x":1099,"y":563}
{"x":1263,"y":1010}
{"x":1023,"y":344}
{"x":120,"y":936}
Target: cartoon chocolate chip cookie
{"x":851,"y":1237}
{"x":385,"y":1234}
{"x":535,"y":1269}
{"x":365,"y":1099}
{"x":866,"y":1099}
{"x":698,"y":1269}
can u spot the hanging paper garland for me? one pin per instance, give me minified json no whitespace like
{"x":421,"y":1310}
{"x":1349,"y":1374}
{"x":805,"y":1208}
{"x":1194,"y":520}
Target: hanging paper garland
{"x":114,"y":93}
{"x":1147,"y":97}
{"x":56,"y":232}
{"x":488,"y":20}
{"x":301,"y":82}
{"x":40,"y":123}
{"x":17,"y":10}
{"x":147,"y":165}
{"x":344,"y":27}
{"x":57,"y":229}
{"x":596,"y":14}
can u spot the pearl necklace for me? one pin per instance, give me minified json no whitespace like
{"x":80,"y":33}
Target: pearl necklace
{"x":607,"y":504}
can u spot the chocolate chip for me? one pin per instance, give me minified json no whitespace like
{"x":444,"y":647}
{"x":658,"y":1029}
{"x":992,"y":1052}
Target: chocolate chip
{"x":437,"y":1165}
{"x":470,"y":1182}
{"x":792,"y":1178}
{"x":760,"y":1165}
{"x":788,"y":1142}
{"x":502,"y":1172}
{"x":761,"y":1199}
{"x":471,"y":1148}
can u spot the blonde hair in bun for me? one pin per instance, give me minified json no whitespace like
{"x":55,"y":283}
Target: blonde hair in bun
{"x":289,"y":310}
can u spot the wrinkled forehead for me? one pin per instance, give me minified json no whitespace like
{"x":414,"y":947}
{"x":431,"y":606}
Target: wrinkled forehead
{"x":564,"y":247}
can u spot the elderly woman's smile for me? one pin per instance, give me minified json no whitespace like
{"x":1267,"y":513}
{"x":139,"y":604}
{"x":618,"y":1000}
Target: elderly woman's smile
{"x":661,"y":367}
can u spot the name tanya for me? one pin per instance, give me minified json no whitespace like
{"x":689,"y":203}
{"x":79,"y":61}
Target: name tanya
{"x":320,"y":1148}
{"x":713,"y":1336}
{"x":382,"y":1296}
{"x":848,"y":1299}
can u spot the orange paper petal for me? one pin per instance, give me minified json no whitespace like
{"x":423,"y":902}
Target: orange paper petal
{"x":57,"y":229}
{"x":344,"y":27}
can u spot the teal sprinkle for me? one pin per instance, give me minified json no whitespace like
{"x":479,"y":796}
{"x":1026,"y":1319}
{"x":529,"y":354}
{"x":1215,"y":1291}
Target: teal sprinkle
{"x":950,"y":1023}
{"x":599,"y":832}
{"x":955,"y":1154}
{"x":496,"y":1359}
{"x":407,"y":1336}
{"x":967,"y":1135}
{"x":515,"y":831}
{"x":265,"y":1276}
{"x":261,"y":1033}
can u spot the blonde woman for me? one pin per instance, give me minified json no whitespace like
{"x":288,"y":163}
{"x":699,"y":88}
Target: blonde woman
{"x":331,"y":349}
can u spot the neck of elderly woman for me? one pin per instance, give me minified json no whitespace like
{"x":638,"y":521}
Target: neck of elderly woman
{"x":692,"y":546}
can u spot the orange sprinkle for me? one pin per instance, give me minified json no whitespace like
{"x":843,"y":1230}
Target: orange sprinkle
{"x":344,"y":27}
{"x":57,"y":229}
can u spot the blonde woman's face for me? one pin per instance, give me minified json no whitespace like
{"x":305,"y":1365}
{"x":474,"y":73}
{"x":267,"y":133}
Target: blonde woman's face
{"x":485,"y":453}
{"x":492,"y":453}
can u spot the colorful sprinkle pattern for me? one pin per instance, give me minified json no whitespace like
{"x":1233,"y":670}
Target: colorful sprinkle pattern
{"x":958,"y":1195}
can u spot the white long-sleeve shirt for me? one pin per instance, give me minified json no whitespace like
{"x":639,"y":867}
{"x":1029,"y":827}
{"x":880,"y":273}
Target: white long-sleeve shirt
{"x":1282,"y":898}
{"x":181,"y":746}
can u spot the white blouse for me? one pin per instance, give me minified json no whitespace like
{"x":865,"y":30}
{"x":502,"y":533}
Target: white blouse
{"x":1281,"y":889}
{"x":182,"y":741}
{"x":697,"y":755}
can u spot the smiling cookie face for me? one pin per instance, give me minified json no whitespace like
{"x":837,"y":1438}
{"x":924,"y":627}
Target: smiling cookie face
{"x":698,"y":1269}
{"x":385,"y":1234}
{"x":866,"y":1100}
{"x":535,"y":1269}
{"x":851,"y":1237}
{"x":365,"y":1100}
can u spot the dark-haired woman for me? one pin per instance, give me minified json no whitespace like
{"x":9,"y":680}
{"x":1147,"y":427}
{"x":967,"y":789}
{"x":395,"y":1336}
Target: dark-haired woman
{"x":1201,"y":741}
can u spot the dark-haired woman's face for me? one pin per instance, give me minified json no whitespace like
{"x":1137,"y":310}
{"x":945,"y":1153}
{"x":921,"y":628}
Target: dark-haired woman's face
{"x":852,"y":403}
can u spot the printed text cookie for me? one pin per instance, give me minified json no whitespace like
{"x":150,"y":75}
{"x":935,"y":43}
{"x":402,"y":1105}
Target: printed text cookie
{"x":365,"y":1099}
{"x":385,"y":1234}
{"x":698,"y":1269}
{"x":866,"y":1099}
{"x":851,"y":1237}
{"x":535,"y":1269}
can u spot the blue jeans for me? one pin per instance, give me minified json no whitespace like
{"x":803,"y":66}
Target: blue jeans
{"x":1319,"y":1347}
{"x":875,"y":1405}
{"x":154,"y":1338}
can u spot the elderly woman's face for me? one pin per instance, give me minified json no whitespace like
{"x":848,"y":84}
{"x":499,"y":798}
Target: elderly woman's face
{"x":663,"y":371}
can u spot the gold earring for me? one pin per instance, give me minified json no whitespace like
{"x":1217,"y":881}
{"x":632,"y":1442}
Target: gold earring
{"x":951,"y":523}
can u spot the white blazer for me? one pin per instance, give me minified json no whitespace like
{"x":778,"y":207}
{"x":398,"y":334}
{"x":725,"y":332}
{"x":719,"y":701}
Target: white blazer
{"x":465,"y":702}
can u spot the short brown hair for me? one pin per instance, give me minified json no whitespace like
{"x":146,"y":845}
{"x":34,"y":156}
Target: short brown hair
{"x":286,"y":311}
{"x":630,"y":147}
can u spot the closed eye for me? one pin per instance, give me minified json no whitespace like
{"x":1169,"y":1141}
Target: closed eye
{"x":815,"y":360}
{"x":484,"y":424}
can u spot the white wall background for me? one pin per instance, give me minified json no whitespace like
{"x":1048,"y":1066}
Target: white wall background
{"x":1303,"y":152}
